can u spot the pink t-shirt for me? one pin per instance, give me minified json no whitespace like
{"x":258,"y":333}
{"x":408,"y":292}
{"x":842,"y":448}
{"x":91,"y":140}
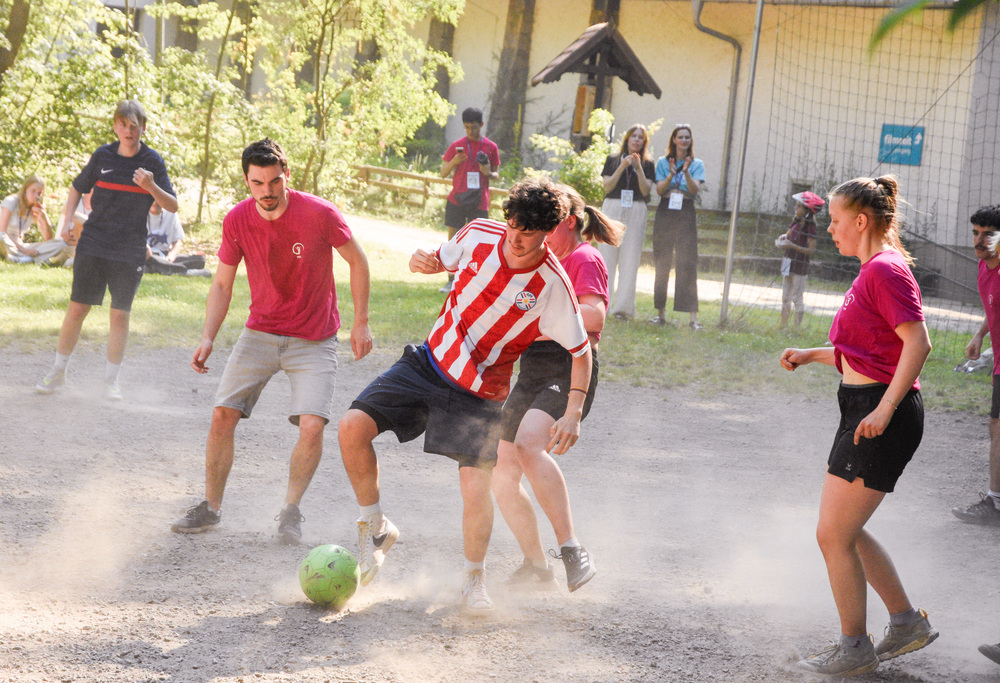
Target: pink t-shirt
{"x":460,"y":179}
{"x":884,"y":295}
{"x":289,"y":264}
{"x":588,"y":273}
{"x":989,"y":291}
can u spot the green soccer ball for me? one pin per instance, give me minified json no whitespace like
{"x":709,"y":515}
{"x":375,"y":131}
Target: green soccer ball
{"x":329,"y":575}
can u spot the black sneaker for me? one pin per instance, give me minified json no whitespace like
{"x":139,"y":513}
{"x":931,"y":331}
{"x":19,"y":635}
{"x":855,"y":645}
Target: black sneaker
{"x":984,"y":512}
{"x":197,"y":519}
{"x":528,"y":576}
{"x":579,"y":567}
{"x":991,"y":651}
{"x":289,"y":521}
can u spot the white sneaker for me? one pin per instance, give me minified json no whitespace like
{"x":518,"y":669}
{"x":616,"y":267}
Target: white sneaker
{"x":51,"y":382}
{"x":112,"y":392}
{"x":474,"y":594}
{"x":373,"y":544}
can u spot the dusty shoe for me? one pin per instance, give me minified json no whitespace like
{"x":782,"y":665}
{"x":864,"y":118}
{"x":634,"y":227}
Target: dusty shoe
{"x":197,"y":519}
{"x":113,"y":392}
{"x":530,"y":577}
{"x":373,"y":544}
{"x":842,"y":661}
{"x":991,"y":651}
{"x":900,"y":640}
{"x":51,"y":382}
{"x":290,"y":524}
{"x":579,"y":567}
{"x":474,"y":595}
{"x":984,"y":512}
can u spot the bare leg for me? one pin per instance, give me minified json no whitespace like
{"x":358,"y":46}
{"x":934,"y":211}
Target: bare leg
{"x":69,"y":334}
{"x":219,"y":453}
{"x":994,"y":454}
{"x":881,"y":574}
{"x":117,"y":335}
{"x":543,"y":472}
{"x":477,"y":515}
{"x":844,"y":510}
{"x":305,"y":457}
{"x":356,"y":432}
{"x":515,"y":505}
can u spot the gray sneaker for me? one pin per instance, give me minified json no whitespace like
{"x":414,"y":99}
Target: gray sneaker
{"x":197,"y":519}
{"x":840,"y":661}
{"x":991,"y":651}
{"x":984,"y":512}
{"x":51,"y":382}
{"x":290,"y":524}
{"x":373,"y":544}
{"x":579,"y":567}
{"x":900,"y":640}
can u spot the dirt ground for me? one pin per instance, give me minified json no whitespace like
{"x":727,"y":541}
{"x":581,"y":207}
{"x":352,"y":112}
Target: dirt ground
{"x":698,"y":510}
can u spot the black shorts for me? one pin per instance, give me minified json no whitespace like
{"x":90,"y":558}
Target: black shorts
{"x":92,"y":275}
{"x":881,"y":460}
{"x":456,"y":216}
{"x":543,"y":383}
{"x":411,"y":399}
{"x":995,"y":408}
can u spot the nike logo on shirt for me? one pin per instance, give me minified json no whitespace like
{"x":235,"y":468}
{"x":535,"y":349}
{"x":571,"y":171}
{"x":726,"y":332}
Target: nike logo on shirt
{"x":106,"y":170}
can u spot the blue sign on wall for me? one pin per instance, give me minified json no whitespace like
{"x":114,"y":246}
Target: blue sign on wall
{"x":901,"y":144}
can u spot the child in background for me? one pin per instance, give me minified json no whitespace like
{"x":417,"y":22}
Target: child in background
{"x":799,"y":243}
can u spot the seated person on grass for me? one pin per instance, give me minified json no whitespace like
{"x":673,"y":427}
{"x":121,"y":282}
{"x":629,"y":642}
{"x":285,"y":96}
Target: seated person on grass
{"x":163,"y":246}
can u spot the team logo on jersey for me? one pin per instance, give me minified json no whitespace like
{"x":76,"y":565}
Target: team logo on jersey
{"x":849,"y":299}
{"x":297,"y":249}
{"x":525,"y":300}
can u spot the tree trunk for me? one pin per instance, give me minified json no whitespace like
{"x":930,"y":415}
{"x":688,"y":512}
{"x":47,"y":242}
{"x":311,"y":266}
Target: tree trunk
{"x":442,"y":38}
{"x":16,"y":27}
{"x":510,"y":90}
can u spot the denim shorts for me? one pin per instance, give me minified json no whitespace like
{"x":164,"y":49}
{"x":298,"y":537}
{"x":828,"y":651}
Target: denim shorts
{"x":311,"y":367}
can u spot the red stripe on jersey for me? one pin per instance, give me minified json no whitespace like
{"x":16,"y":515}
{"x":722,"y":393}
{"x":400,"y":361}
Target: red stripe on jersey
{"x":120,"y":188}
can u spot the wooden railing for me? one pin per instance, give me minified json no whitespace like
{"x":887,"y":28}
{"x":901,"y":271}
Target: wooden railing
{"x":407,"y":183}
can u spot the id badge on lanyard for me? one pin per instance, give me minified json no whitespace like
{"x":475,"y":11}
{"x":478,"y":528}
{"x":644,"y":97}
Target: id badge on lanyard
{"x":472,"y":180}
{"x":626,"y":199}
{"x":676,"y":200}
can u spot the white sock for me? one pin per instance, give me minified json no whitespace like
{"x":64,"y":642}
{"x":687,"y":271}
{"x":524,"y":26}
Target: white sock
{"x":61,"y":363}
{"x":368,"y":512}
{"x":996,"y":498}
{"x":111,"y":372}
{"x":474,"y":566}
{"x":571,"y":543}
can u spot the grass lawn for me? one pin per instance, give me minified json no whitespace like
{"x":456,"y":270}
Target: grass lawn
{"x":169,"y":311}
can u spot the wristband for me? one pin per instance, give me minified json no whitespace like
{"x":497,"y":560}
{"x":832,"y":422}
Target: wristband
{"x":582,"y":391}
{"x":894,"y":405}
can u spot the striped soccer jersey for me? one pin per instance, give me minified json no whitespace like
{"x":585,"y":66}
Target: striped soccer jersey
{"x":494,"y":312}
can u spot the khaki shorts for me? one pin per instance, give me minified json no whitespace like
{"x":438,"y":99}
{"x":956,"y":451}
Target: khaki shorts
{"x":311,"y":367}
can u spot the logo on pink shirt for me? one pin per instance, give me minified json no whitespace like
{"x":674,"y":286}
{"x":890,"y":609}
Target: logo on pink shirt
{"x":297,"y":249}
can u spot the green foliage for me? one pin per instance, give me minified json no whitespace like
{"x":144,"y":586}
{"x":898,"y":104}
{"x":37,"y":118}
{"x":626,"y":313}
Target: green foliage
{"x":959,"y":12}
{"x":582,"y":170}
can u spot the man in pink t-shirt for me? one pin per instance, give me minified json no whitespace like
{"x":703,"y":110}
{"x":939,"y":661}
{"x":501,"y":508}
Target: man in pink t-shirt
{"x":286,"y":239}
{"x":985,"y":229}
{"x":472,"y":162}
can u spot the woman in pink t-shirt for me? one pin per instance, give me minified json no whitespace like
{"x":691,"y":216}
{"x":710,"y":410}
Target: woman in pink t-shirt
{"x":880,"y":343}
{"x":539,"y":398}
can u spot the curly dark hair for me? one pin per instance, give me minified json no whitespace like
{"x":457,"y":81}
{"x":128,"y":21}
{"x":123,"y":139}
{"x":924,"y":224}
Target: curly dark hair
{"x":987,"y":217}
{"x":264,"y":153}
{"x":535,"y":204}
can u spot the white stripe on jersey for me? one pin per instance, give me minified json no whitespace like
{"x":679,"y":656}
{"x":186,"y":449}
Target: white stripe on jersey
{"x":493,"y":312}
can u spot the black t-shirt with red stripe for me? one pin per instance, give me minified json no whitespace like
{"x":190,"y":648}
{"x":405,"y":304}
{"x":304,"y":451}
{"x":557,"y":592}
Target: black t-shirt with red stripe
{"x":116,"y":227}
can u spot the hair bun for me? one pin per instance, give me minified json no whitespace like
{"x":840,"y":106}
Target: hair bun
{"x":888,"y":184}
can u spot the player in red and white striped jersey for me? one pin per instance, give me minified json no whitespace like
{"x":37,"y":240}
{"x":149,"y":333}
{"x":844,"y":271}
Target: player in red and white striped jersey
{"x":509,"y":290}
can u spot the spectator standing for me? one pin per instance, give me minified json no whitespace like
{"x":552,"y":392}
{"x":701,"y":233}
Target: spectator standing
{"x":628,"y":180}
{"x":679,"y":176}
{"x":799,"y":244}
{"x":472,"y":162}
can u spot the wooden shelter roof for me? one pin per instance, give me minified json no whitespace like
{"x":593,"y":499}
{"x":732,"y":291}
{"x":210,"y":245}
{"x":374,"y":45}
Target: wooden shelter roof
{"x":601,"y":50}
